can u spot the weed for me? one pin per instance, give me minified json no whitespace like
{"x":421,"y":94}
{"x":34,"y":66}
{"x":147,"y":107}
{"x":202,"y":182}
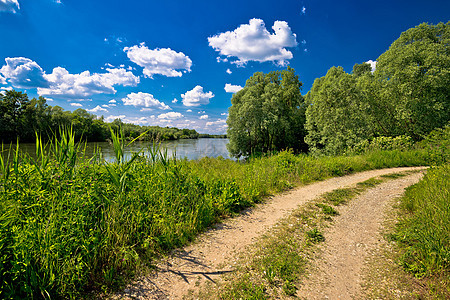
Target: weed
{"x":315,"y":235}
{"x":327,"y":210}
{"x":339,"y":196}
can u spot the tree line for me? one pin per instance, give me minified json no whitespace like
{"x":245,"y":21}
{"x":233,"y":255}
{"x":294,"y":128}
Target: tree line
{"x":407,"y":96}
{"x":21,"y":118}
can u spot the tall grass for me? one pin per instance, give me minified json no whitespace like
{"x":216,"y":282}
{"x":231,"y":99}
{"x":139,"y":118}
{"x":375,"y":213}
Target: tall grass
{"x":424,"y":231}
{"x":69,"y":224}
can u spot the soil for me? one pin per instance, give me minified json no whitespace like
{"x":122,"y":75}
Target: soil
{"x":349,"y":242}
{"x":337,"y":273}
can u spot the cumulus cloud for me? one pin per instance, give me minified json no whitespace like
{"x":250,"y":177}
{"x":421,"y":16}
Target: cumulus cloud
{"x":229,"y":71}
{"x":97,"y":109}
{"x":2,"y":80}
{"x":189,"y":110}
{"x":112,"y":101}
{"x":230,"y":88}
{"x":144,"y":99}
{"x":224,"y":114}
{"x":175,"y":100}
{"x":196,"y":97}
{"x":9,"y":6}
{"x":373,"y":64}
{"x":171,"y":116}
{"x":85,"y":84}
{"x":24,"y":73}
{"x":253,"y":42}
{"x":163,"y":61}
{"x":76,"y":104}
{"x":204,"y":117}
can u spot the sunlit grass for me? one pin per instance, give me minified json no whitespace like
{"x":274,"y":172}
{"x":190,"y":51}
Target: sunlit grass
{"x":69,"y":224}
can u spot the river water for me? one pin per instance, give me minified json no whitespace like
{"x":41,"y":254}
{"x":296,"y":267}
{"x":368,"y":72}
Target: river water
{"x":184,"y":148}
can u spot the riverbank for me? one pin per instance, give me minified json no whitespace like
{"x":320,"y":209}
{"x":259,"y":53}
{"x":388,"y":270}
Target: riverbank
{"x":70,"y":226}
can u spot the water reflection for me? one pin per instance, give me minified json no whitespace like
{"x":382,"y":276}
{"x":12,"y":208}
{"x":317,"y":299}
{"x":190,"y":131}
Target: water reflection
{"x":185,"y":148}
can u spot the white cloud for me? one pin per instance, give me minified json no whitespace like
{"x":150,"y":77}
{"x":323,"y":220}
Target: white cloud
{"x":189,"y":110}
{"x":373,"y":64}
{"x":229,"y":88}
{"x":175,"y":100}
{"x":303,"y":11}
{"x":171,"y":116}
{"x":146,"y":109}
{"x":229,"y":71}
{"x":105,"y":106}
{"x":144,"y":99}
{"x":201,"y":112}
{"x":85,"y":84}
{"x":111,"y":118}
{"x":2,"y":80}
{"x":253,"y":42}
{"x":76,"y":104}
{"x":204,"y":117}
{"x":219,"y":121}
{"x":9,"y":6}
{"x":196,"y":97}
{"x":97,"y":109}
{"x":163,"y":61}
{"x":224,"y":114}
{"x":23,"y":73}
{"x":112,"y":101}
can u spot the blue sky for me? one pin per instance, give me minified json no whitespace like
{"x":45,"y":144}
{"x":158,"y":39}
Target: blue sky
{"x":177,"y":63}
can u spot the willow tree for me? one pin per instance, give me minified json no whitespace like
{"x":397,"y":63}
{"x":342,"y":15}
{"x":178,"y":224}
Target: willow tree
{"x":338,"y":115}
{"x":414,"y":79}
{"x":267,"y":114}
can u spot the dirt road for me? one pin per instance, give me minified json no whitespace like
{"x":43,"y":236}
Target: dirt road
{"x":203,"y":259}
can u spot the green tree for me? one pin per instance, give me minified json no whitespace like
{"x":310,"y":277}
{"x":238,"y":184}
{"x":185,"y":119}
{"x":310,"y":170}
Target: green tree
{"x":12,"y":106}
{"x":414,"y":79}
{"x":337,"y":114}
{"x":361,"y":69}
{"x":267,"y":114}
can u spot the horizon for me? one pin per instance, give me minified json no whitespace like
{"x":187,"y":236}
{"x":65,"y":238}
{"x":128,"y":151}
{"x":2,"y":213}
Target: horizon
{"x":178,"y":64}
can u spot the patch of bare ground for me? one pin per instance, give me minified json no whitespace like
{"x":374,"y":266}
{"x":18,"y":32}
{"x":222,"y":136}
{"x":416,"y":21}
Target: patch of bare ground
{"x":353,"y":239}
{"x":210,"y":255}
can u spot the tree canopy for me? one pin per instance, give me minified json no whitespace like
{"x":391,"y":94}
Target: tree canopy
{"x":407,"y":95}
{"x":22,"y":118}
{"x":267,"y":114}
{"x":414,"y":80}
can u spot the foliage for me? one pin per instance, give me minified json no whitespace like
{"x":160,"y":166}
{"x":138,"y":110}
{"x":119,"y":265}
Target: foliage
{"x":336,"y":114}
{"x":414,"y":79}
{"x":267,"y":115}
{"x":407,"y":95}
{"x":383,"y":143}
{"x":69,"y":224}
{"x":23,"y":118}
{"x":425,"y":226}
{"x":437,"y":144}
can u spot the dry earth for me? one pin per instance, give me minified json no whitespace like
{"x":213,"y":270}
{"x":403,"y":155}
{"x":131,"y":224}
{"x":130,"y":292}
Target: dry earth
{"x":201,"y":261}
{"x":350,"y":241}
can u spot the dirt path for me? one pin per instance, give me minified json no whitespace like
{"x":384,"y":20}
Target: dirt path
{"x":349,"y":242}
{"x":203,"y":259}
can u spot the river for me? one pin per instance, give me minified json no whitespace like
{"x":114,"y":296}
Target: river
{"x":184,"y":148}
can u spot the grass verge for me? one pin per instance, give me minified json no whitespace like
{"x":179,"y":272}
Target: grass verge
{"x":422,"y":233}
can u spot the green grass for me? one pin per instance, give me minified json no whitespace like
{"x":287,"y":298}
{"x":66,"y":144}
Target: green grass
{"x":423,"y":232}
{"x":70,"y":224}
